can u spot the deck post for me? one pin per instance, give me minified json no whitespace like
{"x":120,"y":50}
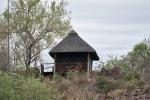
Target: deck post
{"x":54,"y":69}
{"x":88,"y":65}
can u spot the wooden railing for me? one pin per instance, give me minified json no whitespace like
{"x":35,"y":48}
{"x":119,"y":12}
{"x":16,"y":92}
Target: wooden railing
{"x":45,"y":67}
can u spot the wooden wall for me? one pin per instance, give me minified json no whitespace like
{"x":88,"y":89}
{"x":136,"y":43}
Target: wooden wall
{"x":71,"y":62}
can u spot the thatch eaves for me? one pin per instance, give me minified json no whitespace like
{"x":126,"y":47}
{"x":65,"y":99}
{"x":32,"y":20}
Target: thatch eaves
{"x":73,"y":43}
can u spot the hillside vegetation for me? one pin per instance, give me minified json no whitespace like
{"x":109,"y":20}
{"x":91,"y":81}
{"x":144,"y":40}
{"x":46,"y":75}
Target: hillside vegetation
{"x":131,"y":83}
{"x":16,"y":87}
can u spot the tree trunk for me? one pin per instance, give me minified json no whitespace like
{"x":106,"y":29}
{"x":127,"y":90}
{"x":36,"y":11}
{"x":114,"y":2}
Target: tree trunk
{"x":35,"y":62}
{"x":28,"y":58}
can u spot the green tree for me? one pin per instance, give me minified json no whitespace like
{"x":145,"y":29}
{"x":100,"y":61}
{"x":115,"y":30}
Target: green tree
{"x":139,"y":57}
{"x":34,"y":26}
{"x":113,"y":62}
{"x":3,"y":47}
{"x":134,"y":62}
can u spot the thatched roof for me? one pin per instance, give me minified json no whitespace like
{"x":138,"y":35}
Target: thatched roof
{"x":73,"y":43}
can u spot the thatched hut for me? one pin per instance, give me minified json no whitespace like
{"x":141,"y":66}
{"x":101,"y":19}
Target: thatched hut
{"x":73,"y":54}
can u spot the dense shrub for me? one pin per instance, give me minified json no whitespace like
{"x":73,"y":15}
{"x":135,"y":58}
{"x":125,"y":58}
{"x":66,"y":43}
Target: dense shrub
{"x":134,"y":83}
{"x":31,"y":72}
{"x":14,"y":87}
{"x":131,"y":76}
{"x":132,"y":64}
{"x":105,"y":84}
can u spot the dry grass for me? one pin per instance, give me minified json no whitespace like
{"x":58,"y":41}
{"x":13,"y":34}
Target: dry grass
{"x":81,"y":88}
{"x":78,"y":88}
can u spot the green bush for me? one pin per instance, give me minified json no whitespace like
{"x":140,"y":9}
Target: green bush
{"x":31,"y":72}
{"x":15,"y":87}
{"x":106,"y":84}
{"x":134,"y":83}
{"x":131,"y":76}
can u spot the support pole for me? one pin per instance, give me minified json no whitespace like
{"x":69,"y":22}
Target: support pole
{"x":54,"y":69}
{"x":88,"y":65}
{"x":8,"y":61}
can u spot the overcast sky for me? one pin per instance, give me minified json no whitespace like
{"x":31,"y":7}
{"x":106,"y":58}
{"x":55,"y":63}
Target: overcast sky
{"x":112,"y":27}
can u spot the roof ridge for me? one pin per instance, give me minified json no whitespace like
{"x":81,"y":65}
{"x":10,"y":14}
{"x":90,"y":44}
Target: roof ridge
{"x":73,"y":32}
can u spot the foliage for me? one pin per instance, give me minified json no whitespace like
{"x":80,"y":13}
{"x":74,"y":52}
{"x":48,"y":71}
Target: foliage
{"x":95,"y":88}
{"x":15,"y":87}
{"x":3,"y":50}
{"x":134,"y":83}
{"x":100,"y":65}
{"x":72,"y":75}
{"x":76,"y":88}
{"x":139,"y":57}
{"x":133,"y":63}
{"x":31,"y":72}
{"x":34,"y":26}
{"x":112,"y":62}
{"x":105,"y":84}
{"x":57,"y":77}
{"x":131,"y":76}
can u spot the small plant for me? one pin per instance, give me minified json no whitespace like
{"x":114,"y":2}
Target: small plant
{"x":115,"y":93}
{"x":57,"y":77}
{"x":72,"y":75}
{"x":105,"y":85}
{"x":135,"y":83}
{"x":132,"y":76}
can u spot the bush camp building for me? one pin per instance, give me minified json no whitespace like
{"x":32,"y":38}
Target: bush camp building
{"x":73,"y":54}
